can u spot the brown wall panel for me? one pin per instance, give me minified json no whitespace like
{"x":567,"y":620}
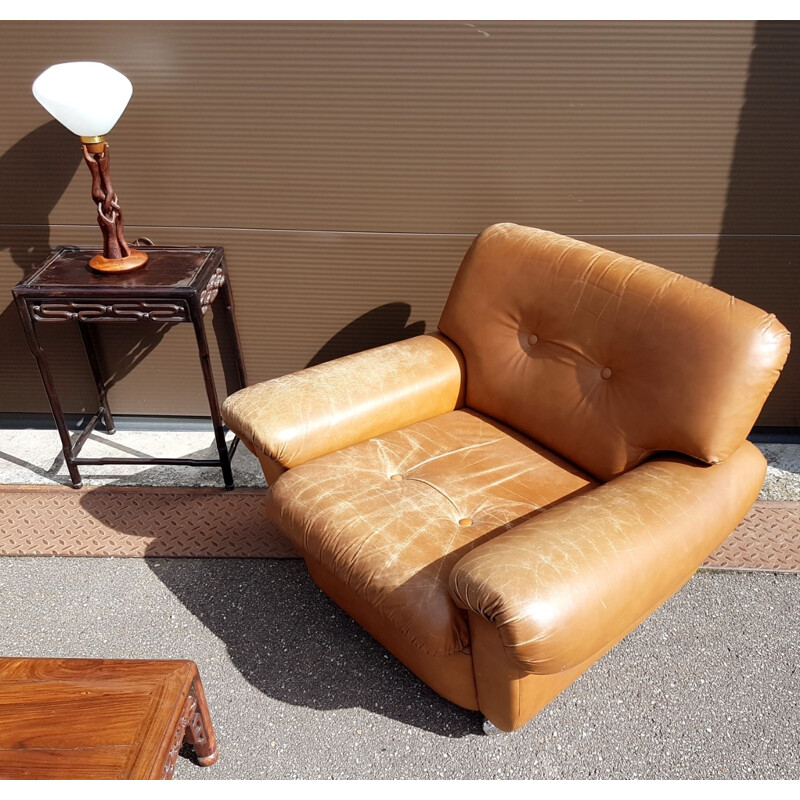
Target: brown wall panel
{"x":346,"y":166}
{"x":590,"y":127}
{"x":300,"y":298}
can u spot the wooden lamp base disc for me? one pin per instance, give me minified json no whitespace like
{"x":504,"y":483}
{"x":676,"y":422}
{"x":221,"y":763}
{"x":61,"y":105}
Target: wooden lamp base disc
{"x":135,"y":260}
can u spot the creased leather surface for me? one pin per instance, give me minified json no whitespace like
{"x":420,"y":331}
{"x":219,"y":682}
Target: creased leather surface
{"x":298,"y":417}
{"x":507,"y":695}
{"x":394,"y":542}
{"x":606,"y":359}
{"x":451,"y":675}
{"x":561,"y":586}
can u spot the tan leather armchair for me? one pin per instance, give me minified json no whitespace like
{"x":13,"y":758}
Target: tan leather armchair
{"x":502,"y":501}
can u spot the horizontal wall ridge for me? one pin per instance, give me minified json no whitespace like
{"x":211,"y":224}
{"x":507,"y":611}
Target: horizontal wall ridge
{"x":460,"y":234}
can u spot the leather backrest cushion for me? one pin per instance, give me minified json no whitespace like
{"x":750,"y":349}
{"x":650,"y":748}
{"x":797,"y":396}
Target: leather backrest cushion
{"x":606,"y":359}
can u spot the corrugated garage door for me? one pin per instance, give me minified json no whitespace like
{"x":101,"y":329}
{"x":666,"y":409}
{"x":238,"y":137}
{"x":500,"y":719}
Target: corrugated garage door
{"x":345,"y":168}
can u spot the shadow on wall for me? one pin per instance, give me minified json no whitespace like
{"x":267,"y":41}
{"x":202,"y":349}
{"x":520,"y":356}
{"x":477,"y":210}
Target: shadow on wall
{"x":34,"y":174}
{"x":759,"y":252}
{"x":382,"y":325}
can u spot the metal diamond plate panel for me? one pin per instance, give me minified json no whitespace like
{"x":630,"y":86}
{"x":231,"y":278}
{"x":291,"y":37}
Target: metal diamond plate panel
{"x":117,"y":521}
{"x":768,"y":539}
{"x":210,"y":523}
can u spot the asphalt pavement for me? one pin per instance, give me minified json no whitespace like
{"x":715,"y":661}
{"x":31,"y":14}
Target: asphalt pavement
{"x":708,"y":687}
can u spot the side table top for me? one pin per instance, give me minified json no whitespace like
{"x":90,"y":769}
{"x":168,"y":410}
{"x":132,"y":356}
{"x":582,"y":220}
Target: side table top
{"x":89,"y":718}
{"x":66,"y":270}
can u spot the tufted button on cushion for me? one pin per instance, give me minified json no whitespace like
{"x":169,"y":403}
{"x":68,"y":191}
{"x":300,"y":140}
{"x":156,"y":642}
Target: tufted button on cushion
{"x":605,"y":373}
{"x":397,"y":477}
{"x":532,"y":339}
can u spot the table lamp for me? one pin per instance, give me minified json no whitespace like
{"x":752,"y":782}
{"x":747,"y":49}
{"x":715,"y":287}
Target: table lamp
{"x":88,"y":98}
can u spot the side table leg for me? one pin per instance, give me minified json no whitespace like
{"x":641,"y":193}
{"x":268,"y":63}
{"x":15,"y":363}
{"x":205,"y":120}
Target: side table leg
{"x":228,"y":333}
{"x":94,"y":363}
{"x":200,"y":732}
{"x":211,"y":391}
{"x":49,"y":386}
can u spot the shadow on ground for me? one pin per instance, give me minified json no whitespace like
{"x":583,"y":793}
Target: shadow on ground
{"x":292,"y":643}
{"x":282,"y":634}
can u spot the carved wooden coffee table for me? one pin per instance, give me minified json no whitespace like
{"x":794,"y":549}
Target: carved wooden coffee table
{"x":97,"y":718}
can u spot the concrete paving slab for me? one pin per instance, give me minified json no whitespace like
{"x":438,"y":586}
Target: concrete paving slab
{"x":33,"y":456}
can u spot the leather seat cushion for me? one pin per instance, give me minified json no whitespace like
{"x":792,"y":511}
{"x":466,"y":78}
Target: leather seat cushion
{"x":391,"y":516}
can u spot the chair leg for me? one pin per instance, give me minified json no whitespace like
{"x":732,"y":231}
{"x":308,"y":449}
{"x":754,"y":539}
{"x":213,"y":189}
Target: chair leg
{"x":489,"y":728}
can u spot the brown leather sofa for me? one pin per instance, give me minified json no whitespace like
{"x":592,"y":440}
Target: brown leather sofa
{"x":502,"y":501}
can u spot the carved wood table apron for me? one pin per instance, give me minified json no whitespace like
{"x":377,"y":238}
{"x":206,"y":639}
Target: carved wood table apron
{"x":178,"y":284}
{"x":100,"y":718}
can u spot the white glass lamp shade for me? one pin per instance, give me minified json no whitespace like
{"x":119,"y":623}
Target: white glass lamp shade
{"x":85,"y":96}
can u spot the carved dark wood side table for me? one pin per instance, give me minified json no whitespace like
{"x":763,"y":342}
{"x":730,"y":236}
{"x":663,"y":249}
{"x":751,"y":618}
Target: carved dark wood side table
{"x":178,"y":284}
{"x":100,"y":718}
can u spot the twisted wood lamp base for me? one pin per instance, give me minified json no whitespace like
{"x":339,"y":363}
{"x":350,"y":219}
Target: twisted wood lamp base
{"x":117,"y":254}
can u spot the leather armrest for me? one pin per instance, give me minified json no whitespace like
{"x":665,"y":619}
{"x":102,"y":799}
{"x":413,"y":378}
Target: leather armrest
{"x":298,"y":417}
{"x":565,"y":584}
